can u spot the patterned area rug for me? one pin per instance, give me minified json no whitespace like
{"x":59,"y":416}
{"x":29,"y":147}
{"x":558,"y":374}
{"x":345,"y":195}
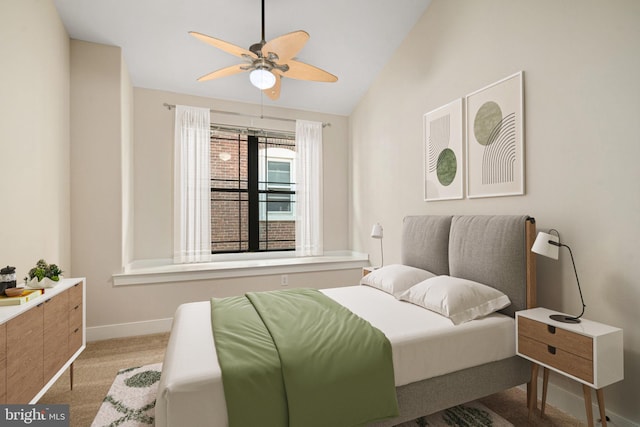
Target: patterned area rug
{"x":472,"y":414}
{"x":131,"y":402}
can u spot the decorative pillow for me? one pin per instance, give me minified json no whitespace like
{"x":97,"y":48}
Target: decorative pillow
{"x":395,"y":278}
{"x":458,"y":299}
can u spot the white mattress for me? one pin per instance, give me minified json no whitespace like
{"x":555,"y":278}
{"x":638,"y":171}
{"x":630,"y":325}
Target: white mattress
{"x":424,"y":345}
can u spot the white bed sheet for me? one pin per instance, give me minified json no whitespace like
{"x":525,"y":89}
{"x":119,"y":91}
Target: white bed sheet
{"x":424,"y":345}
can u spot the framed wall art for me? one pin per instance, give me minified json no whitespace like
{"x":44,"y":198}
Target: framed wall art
{"x":443,"y":152}
{"x":495,"y":139}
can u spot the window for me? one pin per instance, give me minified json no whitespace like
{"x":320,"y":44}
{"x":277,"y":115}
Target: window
{"x":276,"y":173}
{"x":252,"y":191}
{"x":278,"y":180}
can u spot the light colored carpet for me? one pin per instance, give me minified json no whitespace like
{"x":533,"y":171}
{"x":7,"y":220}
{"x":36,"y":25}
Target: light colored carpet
{"x":99,"y":364}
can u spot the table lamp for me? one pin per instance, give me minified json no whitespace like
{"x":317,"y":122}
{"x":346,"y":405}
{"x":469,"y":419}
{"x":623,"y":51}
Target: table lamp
{"x":549,"y":245}
{"x":376,"y":233}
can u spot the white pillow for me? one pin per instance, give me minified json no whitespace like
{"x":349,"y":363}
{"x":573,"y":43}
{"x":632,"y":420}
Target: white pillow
{"x":395,"y":278}
{"x":458,"y":299}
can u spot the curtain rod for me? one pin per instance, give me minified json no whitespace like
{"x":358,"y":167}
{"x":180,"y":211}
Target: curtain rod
{"x":233,"y":113}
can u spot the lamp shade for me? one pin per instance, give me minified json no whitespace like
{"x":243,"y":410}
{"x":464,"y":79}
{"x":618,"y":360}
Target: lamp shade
{"x":262,"y":79}
{"x":542,"y":245}
{"x":376,"y":232}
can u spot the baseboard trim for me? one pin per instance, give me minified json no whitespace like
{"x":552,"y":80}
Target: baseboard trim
{"x":573,"y":404}
{"x":132,"y":329}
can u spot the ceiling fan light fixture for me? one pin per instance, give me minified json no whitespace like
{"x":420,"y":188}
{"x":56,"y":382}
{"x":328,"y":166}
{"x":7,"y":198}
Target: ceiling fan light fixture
{"x":262,"y":79}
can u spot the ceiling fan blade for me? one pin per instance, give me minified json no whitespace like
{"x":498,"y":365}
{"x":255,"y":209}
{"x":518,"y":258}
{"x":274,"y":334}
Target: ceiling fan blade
{"x":223,"y":45}
{"x":286,"y":46}
{"x":301,"y":71}
{"x":223,"y":72}
{"x":274,"y":92}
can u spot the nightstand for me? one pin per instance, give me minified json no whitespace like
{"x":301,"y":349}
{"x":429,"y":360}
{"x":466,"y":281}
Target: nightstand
{"x":588,"y":352}
{"x":367,"y":270}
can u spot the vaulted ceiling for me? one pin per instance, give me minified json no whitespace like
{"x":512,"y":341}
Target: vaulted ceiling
{"x":352,"y":39}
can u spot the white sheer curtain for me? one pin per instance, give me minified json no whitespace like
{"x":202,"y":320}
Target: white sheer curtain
{"x":192,"y":186}
{"x":308,"y":188}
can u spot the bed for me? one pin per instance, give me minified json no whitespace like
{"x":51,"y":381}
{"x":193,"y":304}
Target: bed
{"x":457,"y":365}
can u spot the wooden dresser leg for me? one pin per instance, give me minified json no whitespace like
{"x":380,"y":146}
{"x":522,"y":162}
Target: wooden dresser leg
{"x":545,"y":382}
{"x":603,"y":414}
{"x":533,"y":389}
{"x":587,"y":404}
{"x":71,"y":375}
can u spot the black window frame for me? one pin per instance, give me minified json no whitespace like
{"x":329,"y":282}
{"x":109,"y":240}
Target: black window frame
{"x":253,"y":197}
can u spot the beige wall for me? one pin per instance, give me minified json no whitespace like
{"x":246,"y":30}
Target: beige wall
{"x":581,"y":66}
{"x":96,"y":174}
{"x":34,"y":136}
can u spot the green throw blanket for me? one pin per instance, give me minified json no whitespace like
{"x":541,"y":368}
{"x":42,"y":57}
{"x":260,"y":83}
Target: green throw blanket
{"x":297,"y":358}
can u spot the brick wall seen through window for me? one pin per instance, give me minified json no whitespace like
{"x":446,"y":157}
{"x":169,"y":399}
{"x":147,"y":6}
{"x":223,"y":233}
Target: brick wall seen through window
{"x":252,"y":192}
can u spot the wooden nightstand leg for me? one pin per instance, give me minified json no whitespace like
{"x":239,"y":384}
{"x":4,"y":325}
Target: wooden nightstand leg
{"x":603,"y":414}
{"x":71,"y":375}
{"x":545,"y":382}
{"x":533,"y":389}
{"x":587,"y":404}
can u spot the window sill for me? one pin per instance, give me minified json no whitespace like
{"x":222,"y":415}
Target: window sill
{"x":164,"y":271}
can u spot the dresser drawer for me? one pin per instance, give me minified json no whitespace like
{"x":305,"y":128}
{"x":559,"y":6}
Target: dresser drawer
{"x":75,"y":328}
{"x":557,"y":358}
{"x":568,"y":341}
{"x":75,"y":340}
{"x":75,"y":317}
{"x":25,"y":350}
{"x":75,"y":295}
{"x":56,"y":334}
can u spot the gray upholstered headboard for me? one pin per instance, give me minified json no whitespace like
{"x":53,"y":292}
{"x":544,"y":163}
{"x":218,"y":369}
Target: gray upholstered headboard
{"x":487,"y":249}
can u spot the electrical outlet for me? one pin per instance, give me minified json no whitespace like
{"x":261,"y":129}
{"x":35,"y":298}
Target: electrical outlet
{"x":284,"y":280}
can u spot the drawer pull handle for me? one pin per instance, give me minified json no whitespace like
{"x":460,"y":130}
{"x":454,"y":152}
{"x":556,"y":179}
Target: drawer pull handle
{"x":76,"y":307}
{"x":77,"y":329}
{"x":551,"y":350}
{"x":551,"y":329}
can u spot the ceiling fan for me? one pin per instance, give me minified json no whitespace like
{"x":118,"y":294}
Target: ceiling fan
{"x":268,"y":61}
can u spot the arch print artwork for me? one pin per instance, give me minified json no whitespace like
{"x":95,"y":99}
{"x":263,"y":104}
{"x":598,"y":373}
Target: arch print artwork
{"x":495,"y":146}
{"x":443,"y":152}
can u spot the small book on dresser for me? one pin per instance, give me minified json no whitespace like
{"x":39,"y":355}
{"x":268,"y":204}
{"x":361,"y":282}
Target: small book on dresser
{"x":26,"y":296}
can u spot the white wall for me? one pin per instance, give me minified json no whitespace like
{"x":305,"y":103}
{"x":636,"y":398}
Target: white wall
{"x":34,"y":136}
{"x":582,"y":135}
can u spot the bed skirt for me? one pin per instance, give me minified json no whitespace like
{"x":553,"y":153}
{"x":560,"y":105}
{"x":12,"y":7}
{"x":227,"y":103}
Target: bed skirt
{"x":435,"y":394}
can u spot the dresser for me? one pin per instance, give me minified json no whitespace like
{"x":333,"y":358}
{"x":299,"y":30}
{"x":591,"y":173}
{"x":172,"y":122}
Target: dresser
{"x":39,"y":340}
{"x":588,"y":352}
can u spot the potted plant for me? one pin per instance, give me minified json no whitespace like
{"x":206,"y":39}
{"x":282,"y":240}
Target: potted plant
{"x":44,"y":275}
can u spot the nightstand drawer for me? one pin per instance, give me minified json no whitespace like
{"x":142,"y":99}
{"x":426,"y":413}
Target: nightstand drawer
{"x":568,"y":341}
{"x":557,"y":358}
